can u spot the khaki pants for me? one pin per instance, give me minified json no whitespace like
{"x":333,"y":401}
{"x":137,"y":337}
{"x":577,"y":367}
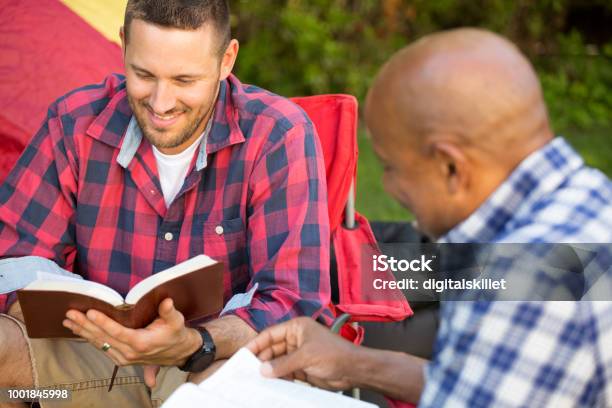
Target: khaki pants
{"x":76,"y":365}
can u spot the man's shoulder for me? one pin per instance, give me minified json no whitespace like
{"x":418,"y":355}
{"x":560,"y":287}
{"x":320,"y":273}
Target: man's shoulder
{"x":254,"y":103}
{"x":89,"y":100}
{"x":579,"y":210}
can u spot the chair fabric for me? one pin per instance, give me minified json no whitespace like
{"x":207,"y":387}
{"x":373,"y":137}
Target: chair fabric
{"x":335,"y":117}
{"x":354,"y":249}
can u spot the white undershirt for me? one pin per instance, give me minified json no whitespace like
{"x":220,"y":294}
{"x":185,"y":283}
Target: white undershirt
{"x":172,"y":169}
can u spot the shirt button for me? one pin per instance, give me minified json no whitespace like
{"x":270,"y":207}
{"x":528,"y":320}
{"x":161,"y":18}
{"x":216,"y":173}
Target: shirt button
{"x":219,"y":229}
{"x":168,"y":236}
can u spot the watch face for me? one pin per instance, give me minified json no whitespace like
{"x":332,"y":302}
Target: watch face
{"x":201,"y":359}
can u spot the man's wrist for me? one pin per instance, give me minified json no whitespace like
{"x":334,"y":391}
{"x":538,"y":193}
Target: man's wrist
{"x":194,"y":340}
{"x":364,"y":365}
{"x":394,"y":374}
{"x":229,"y":333}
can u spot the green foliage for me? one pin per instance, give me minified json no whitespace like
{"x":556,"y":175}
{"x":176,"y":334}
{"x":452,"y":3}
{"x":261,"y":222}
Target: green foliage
{"x":304,"y":47}
{"x":300,"y":47}
{"x":308,"y":47}
{"x":577,"y":86}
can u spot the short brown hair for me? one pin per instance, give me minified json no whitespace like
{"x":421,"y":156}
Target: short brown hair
{"x":182,"y":14}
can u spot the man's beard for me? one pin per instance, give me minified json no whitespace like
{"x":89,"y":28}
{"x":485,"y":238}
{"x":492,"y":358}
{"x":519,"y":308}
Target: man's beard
{"x":163,"y":139}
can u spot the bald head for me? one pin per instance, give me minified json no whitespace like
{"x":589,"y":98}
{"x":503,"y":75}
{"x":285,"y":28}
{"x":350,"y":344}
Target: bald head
{"x":450,"y":117}
{"x":468,"y":84}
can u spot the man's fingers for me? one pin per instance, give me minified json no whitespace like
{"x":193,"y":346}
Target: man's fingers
{"x":170,"y":314}
{"x":284,"y":365}
{"x":82,"y":329}
{"x":150,"y":374}
{"x":274,"y":351}
{"x":116,"y":356}
{"x":80,"y":325}
{"x":269,"y":337}
{"x":110,"y":327}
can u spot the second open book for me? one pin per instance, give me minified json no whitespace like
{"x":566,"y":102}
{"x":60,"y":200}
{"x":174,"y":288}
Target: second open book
{"x":238,"y":383}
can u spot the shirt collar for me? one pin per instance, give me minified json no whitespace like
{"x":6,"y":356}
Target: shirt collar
{"x":133,"y":137}
{"x":116,"y":126}
{"x":537,"y":175}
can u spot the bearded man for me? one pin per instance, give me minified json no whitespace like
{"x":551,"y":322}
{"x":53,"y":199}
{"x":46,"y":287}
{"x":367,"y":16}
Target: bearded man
{"x":131,"y":176}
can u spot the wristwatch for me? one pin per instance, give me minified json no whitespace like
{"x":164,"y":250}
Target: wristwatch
{"x":204,"y":356}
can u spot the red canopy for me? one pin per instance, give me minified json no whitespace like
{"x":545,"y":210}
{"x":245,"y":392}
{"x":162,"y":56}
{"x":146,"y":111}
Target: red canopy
{"x":46,"y":50}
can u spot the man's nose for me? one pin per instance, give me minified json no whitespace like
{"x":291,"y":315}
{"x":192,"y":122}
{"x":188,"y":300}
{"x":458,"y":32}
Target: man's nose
{"x":162,"y":99}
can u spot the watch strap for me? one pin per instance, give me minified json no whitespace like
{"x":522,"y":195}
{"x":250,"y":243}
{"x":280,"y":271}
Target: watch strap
{"x":202,"y":357}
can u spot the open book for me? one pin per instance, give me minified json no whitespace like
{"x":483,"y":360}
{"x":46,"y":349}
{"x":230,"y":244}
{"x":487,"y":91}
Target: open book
{"x":238,"y":383}
{"x":195,"y":286}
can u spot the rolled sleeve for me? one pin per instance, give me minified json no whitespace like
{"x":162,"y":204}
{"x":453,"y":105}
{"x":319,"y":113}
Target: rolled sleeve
{"x":288,"y":232}
{"x":16,"y":273}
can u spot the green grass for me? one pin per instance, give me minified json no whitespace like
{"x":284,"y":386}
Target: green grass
{"x":595,"y":146}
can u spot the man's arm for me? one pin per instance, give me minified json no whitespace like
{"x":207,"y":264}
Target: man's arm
{"x":229,"y":333}
{"x":306,"y":350}
{"x":394,"y":374}
{"x":37,"y":206}
{"x":288,"y":231}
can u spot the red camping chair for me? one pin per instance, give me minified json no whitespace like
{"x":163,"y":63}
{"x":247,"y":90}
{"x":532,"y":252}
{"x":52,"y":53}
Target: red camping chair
{"x":335,"y":117}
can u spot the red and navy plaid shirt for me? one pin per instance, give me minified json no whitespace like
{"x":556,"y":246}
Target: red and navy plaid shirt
{"x":86,"y":194}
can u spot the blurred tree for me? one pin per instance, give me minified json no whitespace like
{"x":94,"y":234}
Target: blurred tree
{"x":300,"y":47}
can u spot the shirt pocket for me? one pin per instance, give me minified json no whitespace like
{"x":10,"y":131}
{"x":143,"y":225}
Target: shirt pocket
{"x":225,"y":241}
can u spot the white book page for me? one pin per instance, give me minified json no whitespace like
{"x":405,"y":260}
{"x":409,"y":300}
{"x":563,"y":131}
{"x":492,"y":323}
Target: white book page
{"x":190,"y":395}
{"x":144,"y":286}
{"x":60,"y":283}
{"x":56,"y":276}
{"x":239,"y":384}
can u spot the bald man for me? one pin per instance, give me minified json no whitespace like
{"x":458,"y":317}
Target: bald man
{"x":460,"y":125}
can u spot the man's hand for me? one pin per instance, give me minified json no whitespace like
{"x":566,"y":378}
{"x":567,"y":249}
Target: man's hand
{"x":166,"y":341}
{"x":305,"y":350}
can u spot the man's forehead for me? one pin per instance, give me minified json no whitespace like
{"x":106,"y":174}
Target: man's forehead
{"x":143,"y":33}
{"x":170,"y":51}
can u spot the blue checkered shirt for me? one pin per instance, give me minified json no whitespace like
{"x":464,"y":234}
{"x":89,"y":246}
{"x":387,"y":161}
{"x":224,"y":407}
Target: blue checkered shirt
{"x":530,"y":354}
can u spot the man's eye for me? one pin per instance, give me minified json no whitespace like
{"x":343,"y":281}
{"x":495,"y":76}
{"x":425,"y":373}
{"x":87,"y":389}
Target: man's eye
{"x":185,"y":81}
{"x":143,"y":76}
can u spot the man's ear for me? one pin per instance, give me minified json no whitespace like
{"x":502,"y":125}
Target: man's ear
{"x":122,"y":36}
{"x":453,"y":164}
{"x":228,"y":59}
